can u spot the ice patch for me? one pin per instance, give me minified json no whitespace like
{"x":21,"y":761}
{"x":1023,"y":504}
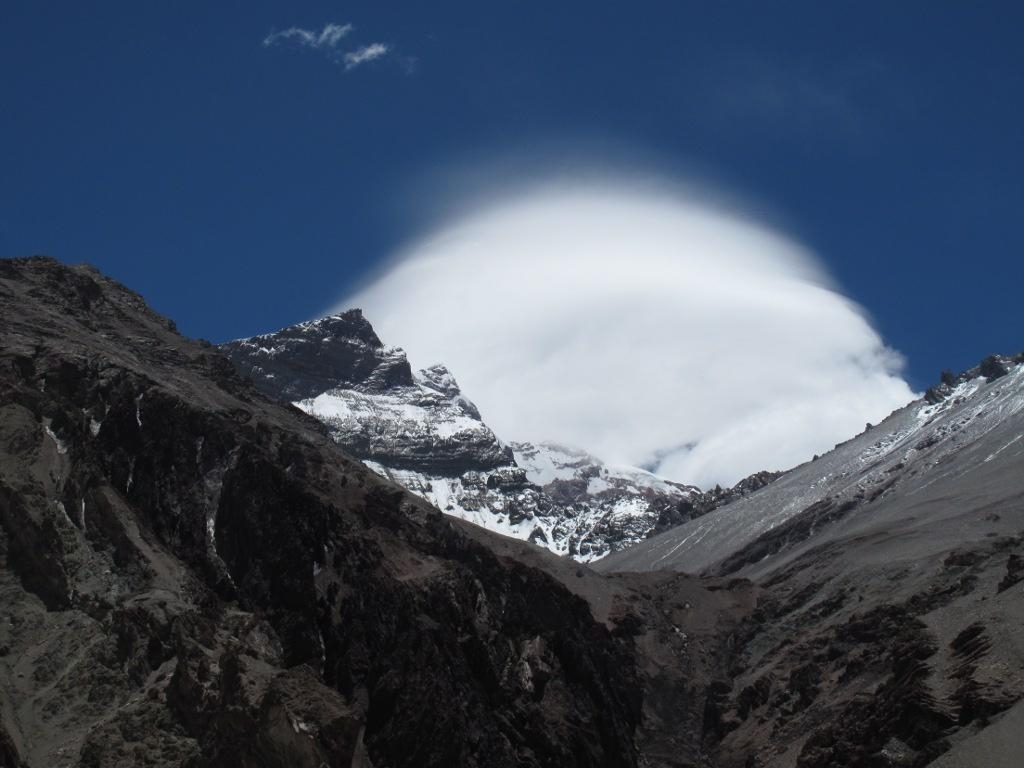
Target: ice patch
{"x":960,"y":392}
{"x":546,"y":462}
{"x":406,"y":411}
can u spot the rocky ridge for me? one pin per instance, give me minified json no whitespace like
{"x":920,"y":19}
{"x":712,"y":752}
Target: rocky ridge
{"x":908,"y":451}
{"x":888,"y":626}
{"x":419,"y":430}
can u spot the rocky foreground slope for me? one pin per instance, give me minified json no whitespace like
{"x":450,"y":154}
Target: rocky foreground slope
{"x":419,"y":430}
{"x":194,"y":575}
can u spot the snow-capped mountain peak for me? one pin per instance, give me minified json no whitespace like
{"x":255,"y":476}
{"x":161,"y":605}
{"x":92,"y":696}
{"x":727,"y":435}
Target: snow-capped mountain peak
{"x":306,"y":359}
{"x":422,"y":432}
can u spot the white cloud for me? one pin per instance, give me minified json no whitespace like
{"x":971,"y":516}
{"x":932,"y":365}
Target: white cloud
{"x":366,"y":53}
{"x":641,"y":324}
{"x":326,"y":39}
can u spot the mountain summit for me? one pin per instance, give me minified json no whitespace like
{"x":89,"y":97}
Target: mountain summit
{"x":421,"y":431}
{"x":309,"y":358}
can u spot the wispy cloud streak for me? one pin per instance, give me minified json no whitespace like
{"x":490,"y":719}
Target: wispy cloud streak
{"x":367,"y":53}
{"x":327,"y":38}
{"x":329,"y":41}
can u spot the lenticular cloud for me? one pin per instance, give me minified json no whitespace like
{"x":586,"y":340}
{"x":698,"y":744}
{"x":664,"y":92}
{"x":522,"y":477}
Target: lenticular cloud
{"x":641,"y":325}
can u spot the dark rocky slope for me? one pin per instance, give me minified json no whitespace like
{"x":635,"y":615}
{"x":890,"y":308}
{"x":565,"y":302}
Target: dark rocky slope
{"x":193,"y":575}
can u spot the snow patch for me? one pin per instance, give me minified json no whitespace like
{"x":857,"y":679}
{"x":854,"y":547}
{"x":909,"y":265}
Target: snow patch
{"x":996,"y":453}
{"x":577,"y":529}
{"x":62,"y":449}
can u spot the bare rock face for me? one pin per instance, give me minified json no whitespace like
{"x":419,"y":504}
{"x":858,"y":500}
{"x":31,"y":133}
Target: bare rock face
{"x":337,"y":369}
{"x":309,"y":358}
{"x":426,"y":425}
{"x":423,"y":433}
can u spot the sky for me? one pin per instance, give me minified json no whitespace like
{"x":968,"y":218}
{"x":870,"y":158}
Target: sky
{"x":246,"y":165}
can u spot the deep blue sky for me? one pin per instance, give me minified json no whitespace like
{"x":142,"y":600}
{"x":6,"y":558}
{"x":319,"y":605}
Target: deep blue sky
{"x":241,"y":187}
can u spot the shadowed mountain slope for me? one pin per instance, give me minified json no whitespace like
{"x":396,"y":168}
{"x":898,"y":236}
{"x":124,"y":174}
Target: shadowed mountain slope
{"x":194,"y":575}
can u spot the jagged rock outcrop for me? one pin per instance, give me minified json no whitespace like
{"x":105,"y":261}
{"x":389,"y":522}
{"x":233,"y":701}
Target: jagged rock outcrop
{"x":423,"y":433}
{"x":338,"y":370}
{"x":424,"y":425}
{"x":990,"y":369}
{"x":562,"y":499}
{"x":307,"y":359}
{"x":700,"y":504}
